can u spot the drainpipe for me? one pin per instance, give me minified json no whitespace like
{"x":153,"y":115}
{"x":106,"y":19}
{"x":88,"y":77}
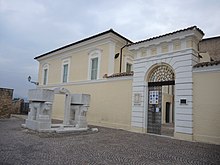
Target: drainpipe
{"x":121,"y":57}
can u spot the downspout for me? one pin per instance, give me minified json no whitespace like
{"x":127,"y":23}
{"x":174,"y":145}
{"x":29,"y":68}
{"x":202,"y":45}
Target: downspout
{"x":121,"y":57}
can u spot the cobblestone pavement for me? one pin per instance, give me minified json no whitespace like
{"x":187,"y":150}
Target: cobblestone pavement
{"x":108,"y":146}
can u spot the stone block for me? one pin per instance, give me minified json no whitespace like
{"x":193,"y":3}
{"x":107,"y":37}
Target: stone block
{"x":5,"y":102}
{"x":80,"y":99}
{"x":41,"y":95}
{"x":36,"y":125}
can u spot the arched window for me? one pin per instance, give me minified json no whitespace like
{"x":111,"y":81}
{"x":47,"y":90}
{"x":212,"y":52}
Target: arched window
{"x":161,"y":73}
{"x":128,"y":64}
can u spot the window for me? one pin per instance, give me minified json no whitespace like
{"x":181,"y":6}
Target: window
{"x":65,"y":72}
{"x":94,"y":69}
{"x":128,"y":67}
{"x":45,"y":76}
{"x":94,"y":64}
{"x":128,"y":64}
{"x":45,"y":71}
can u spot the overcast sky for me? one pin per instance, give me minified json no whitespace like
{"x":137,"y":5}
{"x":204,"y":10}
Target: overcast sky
{"x":29,"y":28}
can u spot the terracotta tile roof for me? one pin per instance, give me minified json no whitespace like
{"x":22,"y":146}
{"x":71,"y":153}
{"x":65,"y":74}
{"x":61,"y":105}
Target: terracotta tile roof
{"x":205,"y":64}
{"x":86,"y":39}
{"x":178,"y":31}
{"x":119,"y":75}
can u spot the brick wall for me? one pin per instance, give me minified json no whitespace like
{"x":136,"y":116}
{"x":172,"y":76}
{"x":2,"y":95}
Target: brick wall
{"x":5,"y":102}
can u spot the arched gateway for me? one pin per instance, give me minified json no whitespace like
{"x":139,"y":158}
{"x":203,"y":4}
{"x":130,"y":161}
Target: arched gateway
{"x":160,"y":78}
{"x":164,"y":61}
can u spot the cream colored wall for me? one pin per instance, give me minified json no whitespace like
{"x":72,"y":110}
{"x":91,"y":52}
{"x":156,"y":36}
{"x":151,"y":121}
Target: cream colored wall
{"x":206,"y":107}
{"x":58,"y":106}
{"x":78,"y":68}
{"x":40,"y":78}
{"x":117,"y":64}
{"x":54,"y":74}
{"x":110,"y":103}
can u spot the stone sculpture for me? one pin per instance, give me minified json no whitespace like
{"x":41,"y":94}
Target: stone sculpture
{"x":79,"y":108}
{"x":40,"y":104}
{"x":41,"y":101}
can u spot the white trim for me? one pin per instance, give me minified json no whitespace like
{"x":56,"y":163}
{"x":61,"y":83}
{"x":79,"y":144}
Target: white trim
{"x":64,"y":62}
{"x":45,"y":66}
{"x":94,"y":54}
{"x":91,"y":82}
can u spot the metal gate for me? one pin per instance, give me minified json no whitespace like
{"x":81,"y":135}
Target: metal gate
{"x":154,"y":109}
{"x":160,"y":75}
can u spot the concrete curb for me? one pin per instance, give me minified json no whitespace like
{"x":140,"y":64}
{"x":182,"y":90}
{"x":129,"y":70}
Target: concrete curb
{"x":19,"y":116}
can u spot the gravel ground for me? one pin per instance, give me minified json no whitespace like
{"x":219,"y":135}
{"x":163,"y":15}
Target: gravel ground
{"x":108,"y":146}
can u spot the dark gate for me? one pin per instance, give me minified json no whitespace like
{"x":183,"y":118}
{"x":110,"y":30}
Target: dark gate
{"x":161,"y":75}
{"x":154,"y":109}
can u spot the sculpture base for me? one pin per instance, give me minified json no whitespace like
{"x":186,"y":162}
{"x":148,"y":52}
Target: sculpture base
{"x":54,"y":128}
{"x":37,"y":125}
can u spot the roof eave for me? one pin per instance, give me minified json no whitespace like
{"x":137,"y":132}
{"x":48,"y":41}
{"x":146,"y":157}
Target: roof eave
{"x":168,"y":34}
{"x":83,"y":40}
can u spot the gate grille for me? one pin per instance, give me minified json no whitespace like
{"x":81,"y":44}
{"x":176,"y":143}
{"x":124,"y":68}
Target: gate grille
{"x":154,"y":111}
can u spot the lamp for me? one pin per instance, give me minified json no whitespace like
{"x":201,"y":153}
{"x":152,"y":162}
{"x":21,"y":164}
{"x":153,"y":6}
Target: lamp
{"x":29,"y":79}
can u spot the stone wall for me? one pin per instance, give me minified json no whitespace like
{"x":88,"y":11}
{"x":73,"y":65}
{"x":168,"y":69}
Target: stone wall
{"x":211,"y":46}
{"x":17,"y":105}
{"x":5,"y":102}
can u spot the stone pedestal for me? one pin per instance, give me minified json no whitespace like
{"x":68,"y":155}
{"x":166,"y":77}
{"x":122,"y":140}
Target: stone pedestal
{"x":40,"y":103}
{"x":39,"y":117}
{"x":79,"y":108}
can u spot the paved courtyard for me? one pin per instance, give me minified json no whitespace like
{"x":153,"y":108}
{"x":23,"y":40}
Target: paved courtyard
{"x":108,"y":146}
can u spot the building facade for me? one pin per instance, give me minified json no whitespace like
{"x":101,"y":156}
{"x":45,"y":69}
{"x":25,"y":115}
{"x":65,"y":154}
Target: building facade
{"x":90,"y":66}
{"x":140,"y":86}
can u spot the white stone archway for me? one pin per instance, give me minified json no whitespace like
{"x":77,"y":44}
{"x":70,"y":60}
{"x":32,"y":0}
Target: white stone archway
{"x":159,"y":78}
{"x":181,"y":56}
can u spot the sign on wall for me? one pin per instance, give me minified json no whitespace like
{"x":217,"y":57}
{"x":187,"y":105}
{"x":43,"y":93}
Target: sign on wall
{"x":154,"y":96}
{"x":137,"y":99}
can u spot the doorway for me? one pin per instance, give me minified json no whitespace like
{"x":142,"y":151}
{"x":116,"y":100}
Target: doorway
{"x":161,"y":101}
